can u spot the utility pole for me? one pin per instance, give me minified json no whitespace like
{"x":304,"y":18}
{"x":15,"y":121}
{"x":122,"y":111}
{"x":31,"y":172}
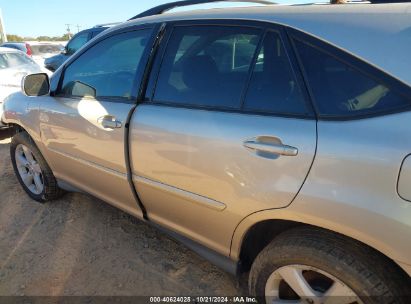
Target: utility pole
{"x":68,"y":30}
{"x":78,"y":28}
{"x":3,"y":36}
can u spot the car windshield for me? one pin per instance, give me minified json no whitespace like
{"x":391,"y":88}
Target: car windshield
{"x":10,"y":60}
{"x":46,"y":49}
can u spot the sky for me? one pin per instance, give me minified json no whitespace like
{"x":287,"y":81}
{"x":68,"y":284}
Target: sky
{"x":33,"y":18}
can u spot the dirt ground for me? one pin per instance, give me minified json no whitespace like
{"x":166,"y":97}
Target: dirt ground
{"x":80,"y":246}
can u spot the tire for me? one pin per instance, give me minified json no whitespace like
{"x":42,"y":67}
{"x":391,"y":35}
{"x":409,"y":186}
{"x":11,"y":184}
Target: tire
{"x":324,"y":259}
{"x":30,"y":166}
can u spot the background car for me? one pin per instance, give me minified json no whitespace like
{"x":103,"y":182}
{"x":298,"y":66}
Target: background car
{"x":43,"y":50}
{"x":14,"y":65}
{"x":21,"y":46}
{"x":80,"y":39}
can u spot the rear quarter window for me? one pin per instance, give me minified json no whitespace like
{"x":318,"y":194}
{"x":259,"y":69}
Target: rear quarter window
{"x":342,"y":90}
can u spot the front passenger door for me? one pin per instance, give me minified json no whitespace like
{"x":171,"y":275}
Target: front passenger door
{"x":83,"y":126}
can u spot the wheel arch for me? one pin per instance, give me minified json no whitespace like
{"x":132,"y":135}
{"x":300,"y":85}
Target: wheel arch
{"x":258,"y":237}
{"x":19,"y":128}
{"x":255,"y":232}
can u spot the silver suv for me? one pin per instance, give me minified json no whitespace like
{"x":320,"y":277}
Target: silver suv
{"x":272,"y":139}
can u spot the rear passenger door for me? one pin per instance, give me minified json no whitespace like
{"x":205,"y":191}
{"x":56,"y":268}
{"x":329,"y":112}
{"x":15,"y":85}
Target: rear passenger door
{"x":226,"y":129}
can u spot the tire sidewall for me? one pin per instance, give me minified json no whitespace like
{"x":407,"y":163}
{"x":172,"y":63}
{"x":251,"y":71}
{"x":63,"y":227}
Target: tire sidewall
{"x":353,"y":270}
{"x":24,"y":139}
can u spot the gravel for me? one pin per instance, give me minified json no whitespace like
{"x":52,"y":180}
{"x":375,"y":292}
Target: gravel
{"x":81,"y":246}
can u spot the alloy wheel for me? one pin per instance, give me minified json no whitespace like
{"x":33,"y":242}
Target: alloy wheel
{"x":307,"y":285}
{"x":29,"y":169}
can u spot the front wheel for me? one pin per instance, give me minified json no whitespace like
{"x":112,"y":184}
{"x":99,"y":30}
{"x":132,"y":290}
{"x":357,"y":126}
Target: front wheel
{"x":32,"y":170}
{"x":313,"y":266}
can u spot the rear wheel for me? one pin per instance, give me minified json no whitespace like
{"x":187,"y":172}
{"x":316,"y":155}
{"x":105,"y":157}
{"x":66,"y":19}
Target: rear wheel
{"x":309,"y":265}
{"x":32,"y":170}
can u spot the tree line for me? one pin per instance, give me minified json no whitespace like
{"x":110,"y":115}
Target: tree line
{"x":17,"y":38}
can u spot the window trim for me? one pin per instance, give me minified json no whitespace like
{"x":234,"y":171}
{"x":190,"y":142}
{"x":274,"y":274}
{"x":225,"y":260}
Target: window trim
{"x":294,"y":71}
{"x":151,"y":84}
{"x":357,"y":64}
{"x":138,"y":77}
{"x":171,"y":27}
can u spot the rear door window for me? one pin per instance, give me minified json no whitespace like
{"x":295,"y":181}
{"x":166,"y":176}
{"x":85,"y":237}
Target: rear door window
{"x":273,"y":87}
{"x":207,"y":66}
{"x":341,"y":90}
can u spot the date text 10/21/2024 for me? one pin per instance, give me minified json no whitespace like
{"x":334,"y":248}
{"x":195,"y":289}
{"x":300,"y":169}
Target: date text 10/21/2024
{"x":203,"y":300}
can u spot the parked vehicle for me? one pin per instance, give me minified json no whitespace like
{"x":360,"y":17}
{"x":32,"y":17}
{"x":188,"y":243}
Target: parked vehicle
{"x":21,"y":46}
{"x":269,"y":139}
{"x":43,"y":50}
{"x":75,"y":43}
{"x":14,"y":65}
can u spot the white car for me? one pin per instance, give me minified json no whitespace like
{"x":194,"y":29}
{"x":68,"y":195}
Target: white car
{"x":14,"y":65}
{"x":43,"y":50}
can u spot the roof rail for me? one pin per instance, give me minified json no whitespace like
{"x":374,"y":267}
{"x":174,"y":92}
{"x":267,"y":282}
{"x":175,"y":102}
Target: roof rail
{"x":158,"y":10}
{"x":106,"y":24}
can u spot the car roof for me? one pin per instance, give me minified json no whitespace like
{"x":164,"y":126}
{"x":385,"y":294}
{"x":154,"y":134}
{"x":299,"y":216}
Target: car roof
{"x":377,"y":33}
{"x":95,"y":29}
{"x":14,"y":43}
{"x":9,"y":50}
{"x":46,"y":43}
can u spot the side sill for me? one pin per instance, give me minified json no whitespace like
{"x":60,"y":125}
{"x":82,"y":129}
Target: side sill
{"x":68,"y":187}
{"x":221,"y":261}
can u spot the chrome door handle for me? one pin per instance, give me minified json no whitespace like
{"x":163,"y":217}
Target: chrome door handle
{"x":109,"y":122}
{"x":272,"y":148}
